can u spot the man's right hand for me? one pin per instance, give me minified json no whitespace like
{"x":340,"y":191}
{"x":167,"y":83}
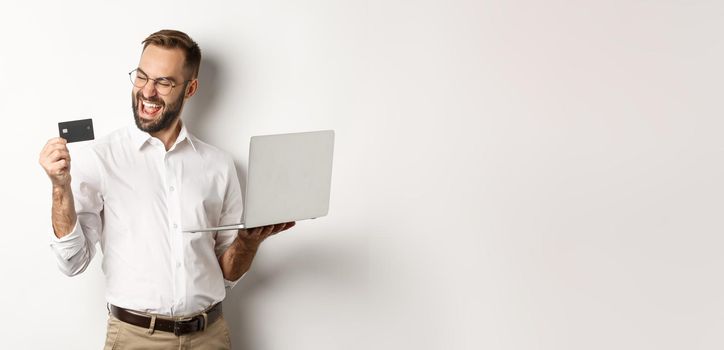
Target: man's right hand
{"x":55,"y":160}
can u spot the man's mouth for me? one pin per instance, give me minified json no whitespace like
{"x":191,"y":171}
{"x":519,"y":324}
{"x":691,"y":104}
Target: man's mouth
{"x":149,"y":109}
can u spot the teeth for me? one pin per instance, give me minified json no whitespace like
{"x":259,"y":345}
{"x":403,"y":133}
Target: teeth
{"x":150,"y":105}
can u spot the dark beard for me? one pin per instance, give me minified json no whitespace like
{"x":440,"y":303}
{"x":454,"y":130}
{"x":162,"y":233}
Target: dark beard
{"x":170,"y":113}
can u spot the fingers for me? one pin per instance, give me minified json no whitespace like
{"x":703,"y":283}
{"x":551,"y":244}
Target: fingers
{"x":54,"y":143}
{"x":54,"y":150}
{"x":55,"y":160}
{"x":283,"y":227}
{"x":274,"y":229}
{"x":56,"y":140}
{"x":252,"y":233}
{"x":57,"y":168}
{"x":57,"y":154}
{"x":263,"y":232}
{"x":268,"y":231}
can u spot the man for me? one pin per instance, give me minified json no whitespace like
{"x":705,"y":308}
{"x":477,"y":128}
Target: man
{"x":133,"y":192}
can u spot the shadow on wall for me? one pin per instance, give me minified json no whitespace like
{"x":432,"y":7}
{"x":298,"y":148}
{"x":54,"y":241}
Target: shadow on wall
{"x":330,"y":266}
{"x":199,"y":119}
{"x":327,"y":267}
{"x":198,"y":110}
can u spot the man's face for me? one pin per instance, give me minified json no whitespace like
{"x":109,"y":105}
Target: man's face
{"x":152,"y":111}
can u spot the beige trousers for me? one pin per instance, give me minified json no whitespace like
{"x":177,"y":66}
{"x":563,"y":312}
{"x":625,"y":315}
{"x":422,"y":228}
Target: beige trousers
{"x":124,"y":336}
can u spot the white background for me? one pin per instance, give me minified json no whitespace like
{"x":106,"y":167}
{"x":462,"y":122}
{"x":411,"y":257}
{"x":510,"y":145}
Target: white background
{"x":508,"y":174}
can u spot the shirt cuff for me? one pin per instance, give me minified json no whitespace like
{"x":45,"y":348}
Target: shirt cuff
{"x":230,"y":284}
{"x":69,"y":245}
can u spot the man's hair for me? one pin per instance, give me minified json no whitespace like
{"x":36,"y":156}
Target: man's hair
{"x":174,"y":39}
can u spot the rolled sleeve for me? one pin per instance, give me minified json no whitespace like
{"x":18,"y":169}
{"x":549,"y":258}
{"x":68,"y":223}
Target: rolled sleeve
{"x":231,"y":213}
{"x":75,"y":250}
{"x":230,"y":284}
{"x":69,"y":245}
{"x":231,"y":210}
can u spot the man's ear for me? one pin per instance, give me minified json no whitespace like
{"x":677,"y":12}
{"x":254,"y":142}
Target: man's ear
{"x":191,"y":88}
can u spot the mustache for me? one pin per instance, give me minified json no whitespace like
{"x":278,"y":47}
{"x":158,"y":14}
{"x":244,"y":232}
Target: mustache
{"x":155,"y":99}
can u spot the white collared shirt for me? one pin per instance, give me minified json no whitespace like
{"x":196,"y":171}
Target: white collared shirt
{"x":134,"y":198}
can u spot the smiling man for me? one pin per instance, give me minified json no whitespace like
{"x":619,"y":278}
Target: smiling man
{"x":133,"y":191}
{"x":151,"y":111}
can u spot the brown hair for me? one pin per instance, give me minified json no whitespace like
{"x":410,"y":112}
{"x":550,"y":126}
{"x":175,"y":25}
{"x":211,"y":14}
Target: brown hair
{"x":174,"y":39}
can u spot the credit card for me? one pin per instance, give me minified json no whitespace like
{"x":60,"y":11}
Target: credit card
{"x":76,"y":130}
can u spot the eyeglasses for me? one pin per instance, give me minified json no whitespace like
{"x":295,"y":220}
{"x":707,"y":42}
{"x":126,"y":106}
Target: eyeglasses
{"x":163,"y":86}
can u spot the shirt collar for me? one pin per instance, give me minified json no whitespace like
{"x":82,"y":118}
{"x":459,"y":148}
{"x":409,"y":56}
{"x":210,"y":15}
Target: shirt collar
{"x":184,"y":135}
{"x":140,"y":138}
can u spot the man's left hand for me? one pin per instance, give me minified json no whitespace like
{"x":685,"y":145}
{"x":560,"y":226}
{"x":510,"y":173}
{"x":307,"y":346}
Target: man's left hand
{"x":252,"y":238}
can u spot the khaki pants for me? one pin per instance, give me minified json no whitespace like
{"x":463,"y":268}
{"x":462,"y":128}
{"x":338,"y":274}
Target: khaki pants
{"x":124,"y":336}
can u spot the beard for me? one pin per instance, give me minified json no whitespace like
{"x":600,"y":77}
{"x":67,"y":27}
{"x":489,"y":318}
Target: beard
{"x":170,"y":113}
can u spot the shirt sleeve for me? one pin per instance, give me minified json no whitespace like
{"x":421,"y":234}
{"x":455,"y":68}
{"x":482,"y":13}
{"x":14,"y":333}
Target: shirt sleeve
{"x":231,"y":211}
{"x":230,"y":284}
{"x":75,"y":250}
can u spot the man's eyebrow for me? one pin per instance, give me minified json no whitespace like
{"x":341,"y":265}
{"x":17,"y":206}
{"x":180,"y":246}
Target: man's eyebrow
{"x":171,"y":79}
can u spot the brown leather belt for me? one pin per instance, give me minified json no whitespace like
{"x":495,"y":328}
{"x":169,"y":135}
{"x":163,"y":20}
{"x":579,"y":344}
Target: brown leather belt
{"x":178,"y":327}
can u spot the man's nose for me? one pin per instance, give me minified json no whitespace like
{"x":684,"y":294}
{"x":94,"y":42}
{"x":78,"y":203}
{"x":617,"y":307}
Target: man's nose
{"x":149,"y":90}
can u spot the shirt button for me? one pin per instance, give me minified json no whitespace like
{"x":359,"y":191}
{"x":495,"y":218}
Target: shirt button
{"x":178,"y":265}
{"x":175,"y":226}
{"x":171,"y":188}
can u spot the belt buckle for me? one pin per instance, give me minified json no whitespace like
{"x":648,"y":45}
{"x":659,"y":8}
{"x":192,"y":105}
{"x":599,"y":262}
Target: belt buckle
{"x":177,"y":325}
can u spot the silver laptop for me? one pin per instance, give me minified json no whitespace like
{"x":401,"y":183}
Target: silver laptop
{"x":289,"y":179}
